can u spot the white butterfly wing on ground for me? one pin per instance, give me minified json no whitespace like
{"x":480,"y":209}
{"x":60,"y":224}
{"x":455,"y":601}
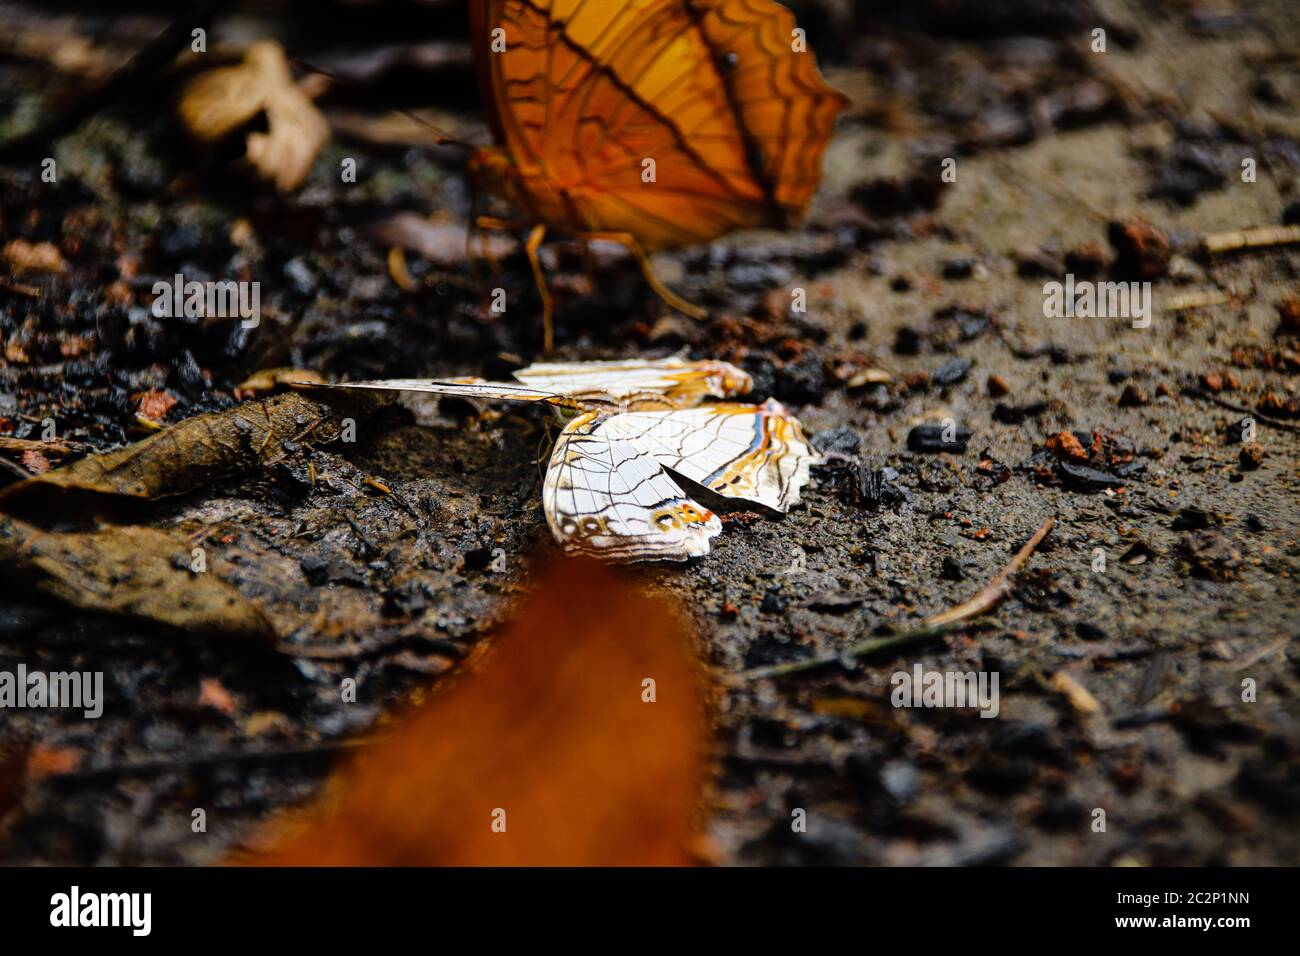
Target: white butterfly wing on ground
{"x":606,"y":492}
{"x":753,"y":452}
{"x":464,"y":388}
{"x":687,"y":383}
{"x":606,"y":496}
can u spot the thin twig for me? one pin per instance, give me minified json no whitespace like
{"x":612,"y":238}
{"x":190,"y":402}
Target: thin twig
{"x":1240,"y":240}
{"x":935,"y":626}
{"x":1263,"y":419}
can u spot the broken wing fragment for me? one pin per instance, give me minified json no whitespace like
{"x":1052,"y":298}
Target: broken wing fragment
{"x":753,"y":452}
{"x":606,"y":496}
{"x":686,"y":383}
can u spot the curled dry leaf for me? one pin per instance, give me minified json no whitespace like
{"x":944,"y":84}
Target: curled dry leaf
{"x":200,"y":450}
{"x":550,"y":738}
{"x":133,"y":572}
{"x":24,"y":256}
{"x":217,"y":103}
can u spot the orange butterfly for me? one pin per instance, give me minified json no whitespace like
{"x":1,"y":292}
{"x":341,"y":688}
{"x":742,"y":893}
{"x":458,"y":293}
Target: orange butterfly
{"x":650,"y":123}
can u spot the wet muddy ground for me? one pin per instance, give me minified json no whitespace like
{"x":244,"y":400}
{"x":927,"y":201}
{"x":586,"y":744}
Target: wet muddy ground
{"x":390,"y":558}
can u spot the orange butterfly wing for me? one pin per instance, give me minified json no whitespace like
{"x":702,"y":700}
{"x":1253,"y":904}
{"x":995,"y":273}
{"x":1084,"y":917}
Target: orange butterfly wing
{"x":713,"y":91}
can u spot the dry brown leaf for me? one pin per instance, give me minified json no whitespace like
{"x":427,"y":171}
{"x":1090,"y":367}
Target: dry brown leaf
{"x":24,"y":256}
{"x":45,"y":761}
{"x":35,"y":462}
{"x":217,"y":103}
{"x":200,"y":450}
{"x":128,"y":571}
{"x":549,"y":735}
{"x":213,"y":693}
{"x":268,"y":379}
{"x":154,"y":404}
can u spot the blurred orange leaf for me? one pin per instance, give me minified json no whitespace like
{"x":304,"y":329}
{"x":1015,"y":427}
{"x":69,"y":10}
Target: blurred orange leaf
{"x":580,"y":739}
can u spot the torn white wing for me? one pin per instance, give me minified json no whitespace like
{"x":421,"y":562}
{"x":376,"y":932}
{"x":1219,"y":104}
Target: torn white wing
{"x":606,"y":497}
{"x":754,"y":452}
{"x":686,"y":383}
{"x":466,"y":388}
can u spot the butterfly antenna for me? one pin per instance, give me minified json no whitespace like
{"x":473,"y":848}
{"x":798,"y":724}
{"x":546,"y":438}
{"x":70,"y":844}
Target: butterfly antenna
{"x":440,"y":137}
{"x":544,"y":441}
{"x":471,"y":230}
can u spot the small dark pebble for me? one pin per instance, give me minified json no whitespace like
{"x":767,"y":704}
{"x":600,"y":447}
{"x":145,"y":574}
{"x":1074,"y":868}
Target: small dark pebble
{"x":971,"y":323}
{"x":768,"y":649}
{"x":959,"y":268}
{"x":951,"y":372}
{"x":930,"y":439}
{"x":1273,"y":783}
{"x":1087,"y":260}
{"x":801,"y":381}
{"x":320,"y":571}
{"x":406,"y":599}
{"x":1141,"y":250}
{"x":1031,"y":738}
{"x":1006,"y":776}
{"x":1082,"y":478}
{"x":835,"y":601}
{"x":179,"y":241}
{"x":1250,"y":457}
{"x":1235,"y":432}
{"x":1133,"y":396}
{"x":476,"y":559}
{"x":1061,"y":813}
{"x":1016,"y":414}
{"x":1191,"y":519}
{"x":1089,"y":632}
{"x":907,"y":341}
{"x":774,"y":602}
{"x":841,"y":441}
{"x":951,"y":569}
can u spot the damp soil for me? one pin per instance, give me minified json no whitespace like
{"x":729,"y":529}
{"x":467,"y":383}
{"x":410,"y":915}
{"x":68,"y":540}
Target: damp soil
{"x":1167,"y":589}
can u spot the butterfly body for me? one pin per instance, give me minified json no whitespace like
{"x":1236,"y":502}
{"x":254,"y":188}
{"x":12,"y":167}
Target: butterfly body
{"x":529,"y":191}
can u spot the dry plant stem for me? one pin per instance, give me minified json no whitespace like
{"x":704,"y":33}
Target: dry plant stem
{"x":1243,"y":409}
{"x":935,"y":626}
{"x":1238,"y":240}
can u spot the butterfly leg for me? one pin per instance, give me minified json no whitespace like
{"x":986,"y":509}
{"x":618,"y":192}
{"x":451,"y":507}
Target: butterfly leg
{"x":502,"y":225}
{"x":630,"y":243}
{"x":548,"y":309}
